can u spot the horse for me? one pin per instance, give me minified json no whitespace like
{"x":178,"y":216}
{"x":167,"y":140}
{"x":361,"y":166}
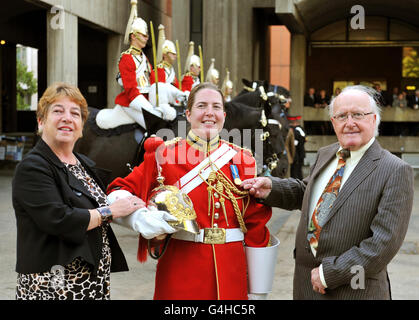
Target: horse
{"x":277,"y":96}
{"x":257,"y":115}
{"x":118,"y":150}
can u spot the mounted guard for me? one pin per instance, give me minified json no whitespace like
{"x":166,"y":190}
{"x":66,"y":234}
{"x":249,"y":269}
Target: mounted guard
{"x":134,"y":77}
{"x":168,"y":89}
{"x":192,"y":70}
{"x":213,"y":75}
{"x":227,"y":87}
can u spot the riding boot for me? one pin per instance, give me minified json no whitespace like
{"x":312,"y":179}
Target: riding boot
{"x":135,"y":110}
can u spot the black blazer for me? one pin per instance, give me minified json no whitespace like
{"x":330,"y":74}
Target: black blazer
{"x":51,"y":207}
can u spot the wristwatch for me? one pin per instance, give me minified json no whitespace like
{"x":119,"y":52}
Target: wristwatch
{"x":105,"y":213}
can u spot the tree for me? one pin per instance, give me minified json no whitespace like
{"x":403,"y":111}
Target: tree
{"x":26,"y":85}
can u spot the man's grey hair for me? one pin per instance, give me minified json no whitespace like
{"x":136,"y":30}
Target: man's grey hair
{"x":373,"y":96}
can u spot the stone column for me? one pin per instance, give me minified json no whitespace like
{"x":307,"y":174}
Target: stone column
{"x":181,"y":29}
{"x":298,"y":73}
{"x":62,"y":47}
{"x":115,"y":47}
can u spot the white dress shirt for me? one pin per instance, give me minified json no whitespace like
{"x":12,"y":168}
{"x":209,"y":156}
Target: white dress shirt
{"x":324,"y":177}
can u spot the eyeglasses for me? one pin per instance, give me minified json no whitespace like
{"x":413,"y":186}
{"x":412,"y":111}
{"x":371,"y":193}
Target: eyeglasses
{"x":357,"y":116}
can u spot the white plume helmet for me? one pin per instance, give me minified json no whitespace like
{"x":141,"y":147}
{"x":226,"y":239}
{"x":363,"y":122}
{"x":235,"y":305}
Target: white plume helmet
{"x":195,"y":60}
{"x":169,"y":47}
{"x":212,"y":73}
{"x":191,"y":50}
{"x":160,"y":41}
{"x":135,"y":24}
{"x":227,"y":83}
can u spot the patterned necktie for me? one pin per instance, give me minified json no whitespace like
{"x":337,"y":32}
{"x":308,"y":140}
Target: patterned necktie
{"x":325,"y":203}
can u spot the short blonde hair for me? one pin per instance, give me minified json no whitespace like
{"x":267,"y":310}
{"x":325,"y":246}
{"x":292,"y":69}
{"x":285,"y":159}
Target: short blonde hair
{"x":58,"y":90}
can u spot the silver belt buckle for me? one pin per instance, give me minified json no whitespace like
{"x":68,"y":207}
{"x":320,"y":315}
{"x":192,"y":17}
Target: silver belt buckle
{"x":214,"y":236}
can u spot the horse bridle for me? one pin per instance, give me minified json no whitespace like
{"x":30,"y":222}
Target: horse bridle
{"x":272,"y":161}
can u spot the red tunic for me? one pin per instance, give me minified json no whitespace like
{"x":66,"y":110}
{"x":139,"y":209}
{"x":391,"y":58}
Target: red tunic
{"x":189,"y":81}
{"x":190,"y":270}
{"x":162,"y":76}
{"x":130,"y":79}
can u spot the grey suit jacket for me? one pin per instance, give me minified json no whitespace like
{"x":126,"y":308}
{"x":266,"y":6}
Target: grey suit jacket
{"x":363,"y":232}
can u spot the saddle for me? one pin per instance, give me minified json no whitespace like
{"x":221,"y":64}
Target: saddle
{"x":122,"y":125}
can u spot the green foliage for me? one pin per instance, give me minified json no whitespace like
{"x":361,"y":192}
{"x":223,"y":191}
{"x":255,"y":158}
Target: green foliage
{"x":26,"y":85}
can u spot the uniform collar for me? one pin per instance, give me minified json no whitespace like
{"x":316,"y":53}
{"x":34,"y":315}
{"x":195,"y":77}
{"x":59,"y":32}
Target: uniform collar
{"x":200,"y":144}
{"x":135,"y":50}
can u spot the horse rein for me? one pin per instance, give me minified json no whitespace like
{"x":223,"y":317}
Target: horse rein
{"x":272,"y":161}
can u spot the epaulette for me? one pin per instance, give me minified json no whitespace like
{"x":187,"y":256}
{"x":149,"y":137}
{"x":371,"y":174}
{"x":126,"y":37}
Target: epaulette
{"x":130,"y":50}
{"x":245,"y":150}
{"x":164,"y":64}
{"x":124,"y":52}
{"x":172,"y":141}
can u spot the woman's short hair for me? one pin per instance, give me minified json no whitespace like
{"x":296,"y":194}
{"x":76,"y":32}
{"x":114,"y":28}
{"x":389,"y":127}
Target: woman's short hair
{"x":196,"y":89}
{"x":56,"y":91}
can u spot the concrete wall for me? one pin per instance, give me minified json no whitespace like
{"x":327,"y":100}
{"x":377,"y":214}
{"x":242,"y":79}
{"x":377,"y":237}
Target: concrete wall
{"x":108,"y":14}
{"x":387,"y":114}
{"x":181,"y":28}
{"x":228,"y":36}
{"x":392,"y":144}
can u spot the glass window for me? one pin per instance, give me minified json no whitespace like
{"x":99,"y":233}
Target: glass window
{"x":26,"y":78}
{"x":410,"y":62}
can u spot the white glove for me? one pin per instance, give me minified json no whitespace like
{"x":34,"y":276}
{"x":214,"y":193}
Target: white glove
{"x":177,"y":94}
{"x":257,"y":296}
{"x":169,"y":113}
{"x":168,"y":94}
{"x":183,"y":97}
{"x":149,"y":222}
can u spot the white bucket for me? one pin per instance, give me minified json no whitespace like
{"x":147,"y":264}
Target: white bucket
{"x":261,"y":264}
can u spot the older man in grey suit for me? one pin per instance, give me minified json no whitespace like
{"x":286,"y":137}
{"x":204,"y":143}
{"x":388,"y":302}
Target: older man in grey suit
{"x":355,"y":209}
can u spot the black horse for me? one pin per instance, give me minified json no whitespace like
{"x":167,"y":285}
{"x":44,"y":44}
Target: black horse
{"x":266,"y":131}
{"x":120,"y":149}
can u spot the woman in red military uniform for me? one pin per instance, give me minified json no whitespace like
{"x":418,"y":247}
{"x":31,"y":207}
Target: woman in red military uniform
{"x":211,"y":265}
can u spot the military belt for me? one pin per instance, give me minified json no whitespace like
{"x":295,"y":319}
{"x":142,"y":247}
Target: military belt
{"x":211,"y":235}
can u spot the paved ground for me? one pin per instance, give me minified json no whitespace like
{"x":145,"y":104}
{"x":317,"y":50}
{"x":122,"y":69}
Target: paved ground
{"x":138,"y":283}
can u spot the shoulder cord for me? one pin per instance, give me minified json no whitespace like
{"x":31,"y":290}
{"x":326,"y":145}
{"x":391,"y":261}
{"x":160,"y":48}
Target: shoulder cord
{"x":229,"y":189}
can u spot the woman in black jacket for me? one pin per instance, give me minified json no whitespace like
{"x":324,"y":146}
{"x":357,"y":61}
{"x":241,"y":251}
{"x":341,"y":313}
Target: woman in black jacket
{"x":66,"y":248}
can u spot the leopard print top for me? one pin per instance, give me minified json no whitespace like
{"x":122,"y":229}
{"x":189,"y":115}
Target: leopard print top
{"x":74,"y":281}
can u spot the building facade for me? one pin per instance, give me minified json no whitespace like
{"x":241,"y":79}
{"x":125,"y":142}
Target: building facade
{"x":80,"y":41}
